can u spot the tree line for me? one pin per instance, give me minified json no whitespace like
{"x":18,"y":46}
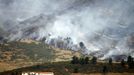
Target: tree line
{"x":85,"y":60}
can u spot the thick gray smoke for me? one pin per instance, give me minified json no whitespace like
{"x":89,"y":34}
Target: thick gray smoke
{"x":104,"y":26}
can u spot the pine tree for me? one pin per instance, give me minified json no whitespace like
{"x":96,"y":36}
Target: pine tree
{"x":94,"y":60}
{"x":87,"y":60}
{"x":122,"y":63}
{"x":130,"y":62}
{"x":110,"y":61}
{"x":75,"y":60}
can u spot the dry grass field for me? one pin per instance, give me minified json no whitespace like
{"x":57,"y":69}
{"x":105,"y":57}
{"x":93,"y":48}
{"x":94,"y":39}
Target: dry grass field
{"x":5,"y":67}
{"x":103,"y":74}
{"x":65,"y":68}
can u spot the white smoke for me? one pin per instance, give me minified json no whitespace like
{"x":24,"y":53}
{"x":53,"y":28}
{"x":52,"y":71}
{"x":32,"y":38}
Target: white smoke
{"x":103,"y":25}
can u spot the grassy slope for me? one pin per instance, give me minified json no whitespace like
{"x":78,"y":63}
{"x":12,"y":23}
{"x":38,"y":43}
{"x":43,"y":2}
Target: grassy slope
{"x":27,"y":52}
{"x":21,"y":54}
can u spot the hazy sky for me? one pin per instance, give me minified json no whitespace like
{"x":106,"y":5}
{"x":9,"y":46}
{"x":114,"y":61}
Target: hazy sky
{"x":82,"y":20}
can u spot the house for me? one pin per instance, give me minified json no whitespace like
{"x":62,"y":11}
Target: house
{"x":37,"y":73}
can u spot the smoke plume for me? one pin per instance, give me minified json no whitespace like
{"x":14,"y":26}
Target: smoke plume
{"x":104,"y":26}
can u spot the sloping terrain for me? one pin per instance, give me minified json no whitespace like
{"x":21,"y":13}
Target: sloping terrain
{"x":25,"y":53}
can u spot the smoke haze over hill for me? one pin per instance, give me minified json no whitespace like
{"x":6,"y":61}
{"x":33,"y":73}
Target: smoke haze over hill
{"x":106,"y":27}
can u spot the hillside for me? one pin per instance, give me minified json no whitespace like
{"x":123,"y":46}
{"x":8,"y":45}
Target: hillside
{"x":21,"y":54}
